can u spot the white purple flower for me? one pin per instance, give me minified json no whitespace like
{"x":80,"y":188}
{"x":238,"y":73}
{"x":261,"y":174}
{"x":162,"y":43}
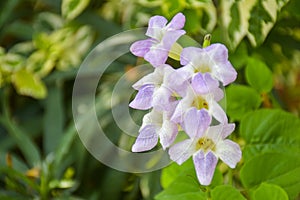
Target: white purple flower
{"x":156,"y":124}
{"x":206,"y":144}
{"x":162,"y":37}
{"x":212,"y":59}
{"x":158,"y":89}
{"x":203,"y":93}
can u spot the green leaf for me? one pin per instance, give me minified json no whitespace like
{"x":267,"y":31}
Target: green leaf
{"x":53,"y":119}
{"x":253,"y":19}
{"x":240,"y":56}
{"x":24,"y":142}
{"x":72,"y":8}
{"x":180,"y":182}
{"x":184,"y":187}
{"x":269,"y":191}
{"x":27,"y":84}
{"x":270,"y":131}
{"x":259,"y":76}
{"x":235,"y":20}
{"x":241,"y":100}
{"x":7,"y":10}
{"x":277,"y":168}
{"x":171,"y":172}
{"x":226,"y":192}
{"x":259,"y":15}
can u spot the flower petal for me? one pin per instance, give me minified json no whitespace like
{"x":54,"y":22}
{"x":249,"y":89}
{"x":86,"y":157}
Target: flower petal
{"x":143,"y":99}
{"x":217,"y":112}
{"x":157,"y":55}
{"x":155,"y":25}
{"x":141,"y":47}
{"x":227,"y":130}
{"x":221,"y":68}
{"x":229,"y":152}
{"x":205,"y":166}
{"x":188,"y":54}
{"x":182,"y":151}
{"x":162,"y":99}
{"x":177,"y":22}
{"x":175,"y":81}
{"x":146,"y":140}
{"x":154,"y":78}
{"x":196,"y":122}
{"x":204,"y":83}
{"x":170,"y":37}
{"x":154,"y":117}
{"x":167,"y":133}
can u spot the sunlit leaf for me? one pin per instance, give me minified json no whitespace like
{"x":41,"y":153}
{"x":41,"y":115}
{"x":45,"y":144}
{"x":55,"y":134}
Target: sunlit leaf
{"x":270,"y":131}
{"x":269,"y":191}
{"x":27,"y":84}
{"x":72,"y":8}
{"x":226,"y":192}
{"x":277,"y":168}
{"x":241,"y":100}
{"x":259,"y":76}
{"x":184,"y":187}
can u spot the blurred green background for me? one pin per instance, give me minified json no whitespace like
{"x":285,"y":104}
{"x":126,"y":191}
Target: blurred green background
{"x":42,"y":44}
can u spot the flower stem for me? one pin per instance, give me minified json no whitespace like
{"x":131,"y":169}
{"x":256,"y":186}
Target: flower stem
{"x":206,"y":41}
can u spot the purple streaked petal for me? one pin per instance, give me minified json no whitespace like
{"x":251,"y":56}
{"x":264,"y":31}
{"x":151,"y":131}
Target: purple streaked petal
{"x":215,"y":133}
{"x":205,"y":166}
{"x":180,"y":109}
{"x":182,"y":151}
{"x":218,"y":94}
{"x":227,"y":130}
{"x":170,"y":37}
{"x":229,"y":152}
{"x":186,"y":71}
{"x":228,"y":74}
{"x":162,"y":98}
{"x":196,"y":122}
{"x":146,"y":140}
{"x":155,"y":25}
{"x":223,"y":69}
{"x":188,"y":54}
{"x":141,"y":47}
{"x":157,"y":56}
{"x":168,"y":133}
{"x":177,"y":22}
{"x":143,"y":99}
{"x":175,"y":81}
{"x":204,"y":83}
{"x":218,"y":52}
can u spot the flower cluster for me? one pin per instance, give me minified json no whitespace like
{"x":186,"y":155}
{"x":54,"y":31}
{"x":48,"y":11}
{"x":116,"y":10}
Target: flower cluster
{"x":186,"y":98}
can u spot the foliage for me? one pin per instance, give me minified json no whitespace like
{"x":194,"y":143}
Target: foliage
{"x":43,"y":43}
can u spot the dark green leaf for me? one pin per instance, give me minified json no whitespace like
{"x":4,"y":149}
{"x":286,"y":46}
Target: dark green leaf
{"x":24,"y":142}
{"x":53,"y":119}
{"x":235,"y":20}
{"x":258,"y":16}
